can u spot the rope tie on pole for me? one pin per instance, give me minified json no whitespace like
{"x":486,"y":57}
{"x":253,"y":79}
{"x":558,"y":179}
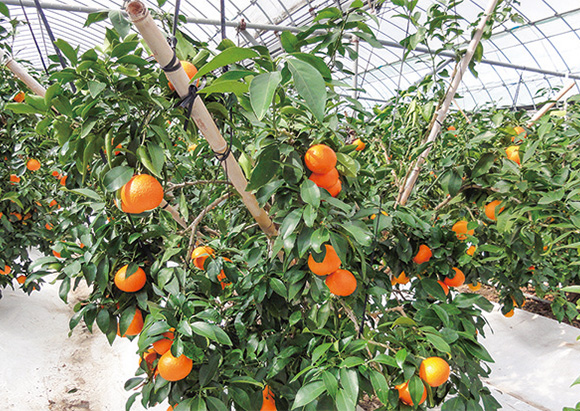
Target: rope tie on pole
{"x":173,"y":40}
{"x":187,"y":103}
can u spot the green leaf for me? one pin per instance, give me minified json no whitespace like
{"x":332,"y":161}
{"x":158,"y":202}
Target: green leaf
{"x":157,"y":158}
{"x":278,"y":287}
{"x":308,"y":393}
{"x":451,"y":182}
{"x":96,"y":17}
{"x":236,"y":87}
{"x":262,"y":89}
{"x":117,"y":177}
{"x":477,"y":350}
{"x":4,"y":10}
{"x":21,"y":108}
{"x":120,"y":23}
{"x":310,"y":193}
{"x":331,"y":383}
{"x":572,"y":289}
{"x":228,"y":56}
{"x":483,"y":165}
{"x":87,"y":193}
{"x":290,"y":223}
{"x":360,"y":232}
{"x":68,"y":51}
{"x":344,"y":402}
{"x":95,"y":88}
{"x":346,"y":165}
{"x":310,"y":85}
{"x":210,"y":331}
{"x":416,"y":389}
{"x":438,"y":342}
{"x":380,"y":386}
{"x":215,"y":404}
{"x":551,"y":197}
{"x":266,"y":168}
{"x":349,"y":381}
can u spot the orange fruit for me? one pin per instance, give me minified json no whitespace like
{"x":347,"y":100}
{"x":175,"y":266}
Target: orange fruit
{"x":200,"y":254}
{"x":170,"y":408}
{"x":341,"y":282}
{"x":520,"y":130}
{"x":56,"y":174}
{"x":17,"y":215}
{"x":471,"y":250}
{"x":222,"y":277}
{"x":132,"y":283}
{"x":164,"y":344}
{"x":48,"y":226}
{"x":52,"y":203}
{"x":14,"y":179}
{"x":142,"y":193}
{"x":329,"y":264}
{"x":401,"y":279}
{"x":335,"y":189}
{"x":326,"y":180}
{"x":268,"y":402}
{"x":444,"y":286}
{"x":405,"y":395}
{"x":174,"y":369}
{"x":19,"y":97}
{"x":192,"y":147}
{"x":434,"y":371}
{"x":56,"y":254}
{"x":117,"y":152}
{"x":360,"y":145}
{"x":135,"y":327}
{"x":490,"y":209}
{"x":460,"y":229}
{"x":33,"y":164}
{"x":451,"y":128}
{"x":63,"y":180}
{"x":320,"y":159}
{"x":6,"y":270}
{"x":149,"y":356}
{"x":21,"y":279}
{"x":510,"y":313}
{"x":513,"y":153}
{"x":190,"y":70}
{"x":474,"y":287}
{"x":423,"y":255}
{"x":372,"y":217}
{"x":457,"y":280}
{"x":516,"y":304}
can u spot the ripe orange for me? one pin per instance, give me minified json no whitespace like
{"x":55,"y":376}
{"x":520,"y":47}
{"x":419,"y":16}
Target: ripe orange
{"x":372,"y":217}
{"x":174,"y":369}
{"x":335,"y":189}
{"x":513,"y":153}
{"x":6,"y":270}
{"x":149,"y":356}
{"x":490,"y":209}
{"x":163,"y":345}
{"x":474,"y":287}
{"x":326,"y":180}
{"x":200,"y":254}
{"x":471,"y":250}
{"x":135,"y":327}
{"x":142,"y":193}
{"x":434,"y":371}
{"x":360,"y":145}
{"x":52,"y":203}
{"x":132,"y":283}
{"x":190,"y":70}
{"x":341,"y":282}
{"x":457,"y":280}
{"x":48,"y":226}
{"x":405,"y":395}
{"x":170,"y":408}
{"x":222,"y":277}
{"x":510,"y":313}
{"x":401,"y":279}
{"x":329,"y":264}
{"x":423,"y":255}
{"x":461,"y":231}
{"x":268,"y":402}
{"x":21,"y":279}
{"x":444,"y":286}
{"x":451,"y":128}
{"x":520,"y":130}
{"x":320,"y":159}
{"x":516,"y":304}
{"x":14,"y":179}
{"x":63,"y":180}
{"x":19,"y":97}
{"x":56,"y":254}
{"x":33,"y":164}
{"x":192,"y":147}
{"x":56,"y":174}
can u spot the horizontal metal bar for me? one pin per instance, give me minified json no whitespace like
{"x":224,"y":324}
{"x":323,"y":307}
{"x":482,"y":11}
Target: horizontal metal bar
{"x":273,"y":27}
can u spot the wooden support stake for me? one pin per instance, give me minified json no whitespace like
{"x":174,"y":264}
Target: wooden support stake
{"x":23,"y":75}
{"x":551,"y":104}
{"x":155,"y":39}
{"x":462,"y":112}
{"x":442,"y":113}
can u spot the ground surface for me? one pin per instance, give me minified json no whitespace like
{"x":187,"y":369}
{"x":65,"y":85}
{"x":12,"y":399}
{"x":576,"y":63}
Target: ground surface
{"x":537,"y":360}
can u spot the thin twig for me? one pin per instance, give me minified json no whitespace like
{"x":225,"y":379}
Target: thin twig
{"x":467,"y":187}
{"x":171,"y":186}
{"x":193,"y":226}
{"x":349,"y":313}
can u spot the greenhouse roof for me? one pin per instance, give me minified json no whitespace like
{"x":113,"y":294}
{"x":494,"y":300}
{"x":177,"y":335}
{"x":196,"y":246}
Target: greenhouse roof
{"x":521,"y":61}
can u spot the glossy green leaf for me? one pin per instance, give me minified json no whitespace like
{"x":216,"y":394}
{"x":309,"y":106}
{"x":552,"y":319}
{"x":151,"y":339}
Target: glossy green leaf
{"x":310,"y":85}
{"x":262,"y":89}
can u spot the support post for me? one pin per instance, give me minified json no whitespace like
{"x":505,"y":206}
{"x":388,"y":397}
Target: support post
{"x":139,"y":15}
{"x":551,"y":104}
{"x":442,"y":113}
{"x":23,"y":75}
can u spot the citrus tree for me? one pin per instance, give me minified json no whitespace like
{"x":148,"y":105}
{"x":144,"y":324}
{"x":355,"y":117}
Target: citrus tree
{"x":357,"y":293}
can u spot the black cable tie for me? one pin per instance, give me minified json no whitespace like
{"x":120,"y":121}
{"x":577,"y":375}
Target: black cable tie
{"x":223,"y":156}
{"x":440,"y":123}
{"x":165,"y":206}
{"x":173,"y":65}
{"x":187,"y":103}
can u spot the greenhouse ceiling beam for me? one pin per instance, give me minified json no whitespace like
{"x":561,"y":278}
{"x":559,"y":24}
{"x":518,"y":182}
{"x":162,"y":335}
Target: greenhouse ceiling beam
{"x":274,"y":27}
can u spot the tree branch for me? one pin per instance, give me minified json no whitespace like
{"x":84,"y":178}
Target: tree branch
{"x":172,"y":186}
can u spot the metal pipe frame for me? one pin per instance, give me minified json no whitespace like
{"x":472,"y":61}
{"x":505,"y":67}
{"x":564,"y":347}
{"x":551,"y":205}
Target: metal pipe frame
{"x":275,"y":27}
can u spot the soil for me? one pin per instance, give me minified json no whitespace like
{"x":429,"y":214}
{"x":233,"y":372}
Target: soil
{"x":532,"y":305}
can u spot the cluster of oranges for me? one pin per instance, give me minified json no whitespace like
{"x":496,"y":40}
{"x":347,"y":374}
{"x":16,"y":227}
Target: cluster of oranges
{"x":321,"y":160}
{"x":339,"y":282}
{"x":200,"y":254}
{"x":513,"y":152}
{"x":434,"y":371}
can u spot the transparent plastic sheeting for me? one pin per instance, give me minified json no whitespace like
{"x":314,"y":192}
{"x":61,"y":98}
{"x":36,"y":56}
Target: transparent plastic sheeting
{"x":549,"y":39}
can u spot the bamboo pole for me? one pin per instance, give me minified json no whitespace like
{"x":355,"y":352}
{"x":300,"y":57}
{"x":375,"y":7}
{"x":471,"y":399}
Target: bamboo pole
{"x":21,"y":73}
{"x":462,"y":112}
{"x":155,"y":39}
{"x":551,"y":104}
{"x":442,"y":113}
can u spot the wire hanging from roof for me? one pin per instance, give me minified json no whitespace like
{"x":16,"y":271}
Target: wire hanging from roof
{"x":34,"y":38}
